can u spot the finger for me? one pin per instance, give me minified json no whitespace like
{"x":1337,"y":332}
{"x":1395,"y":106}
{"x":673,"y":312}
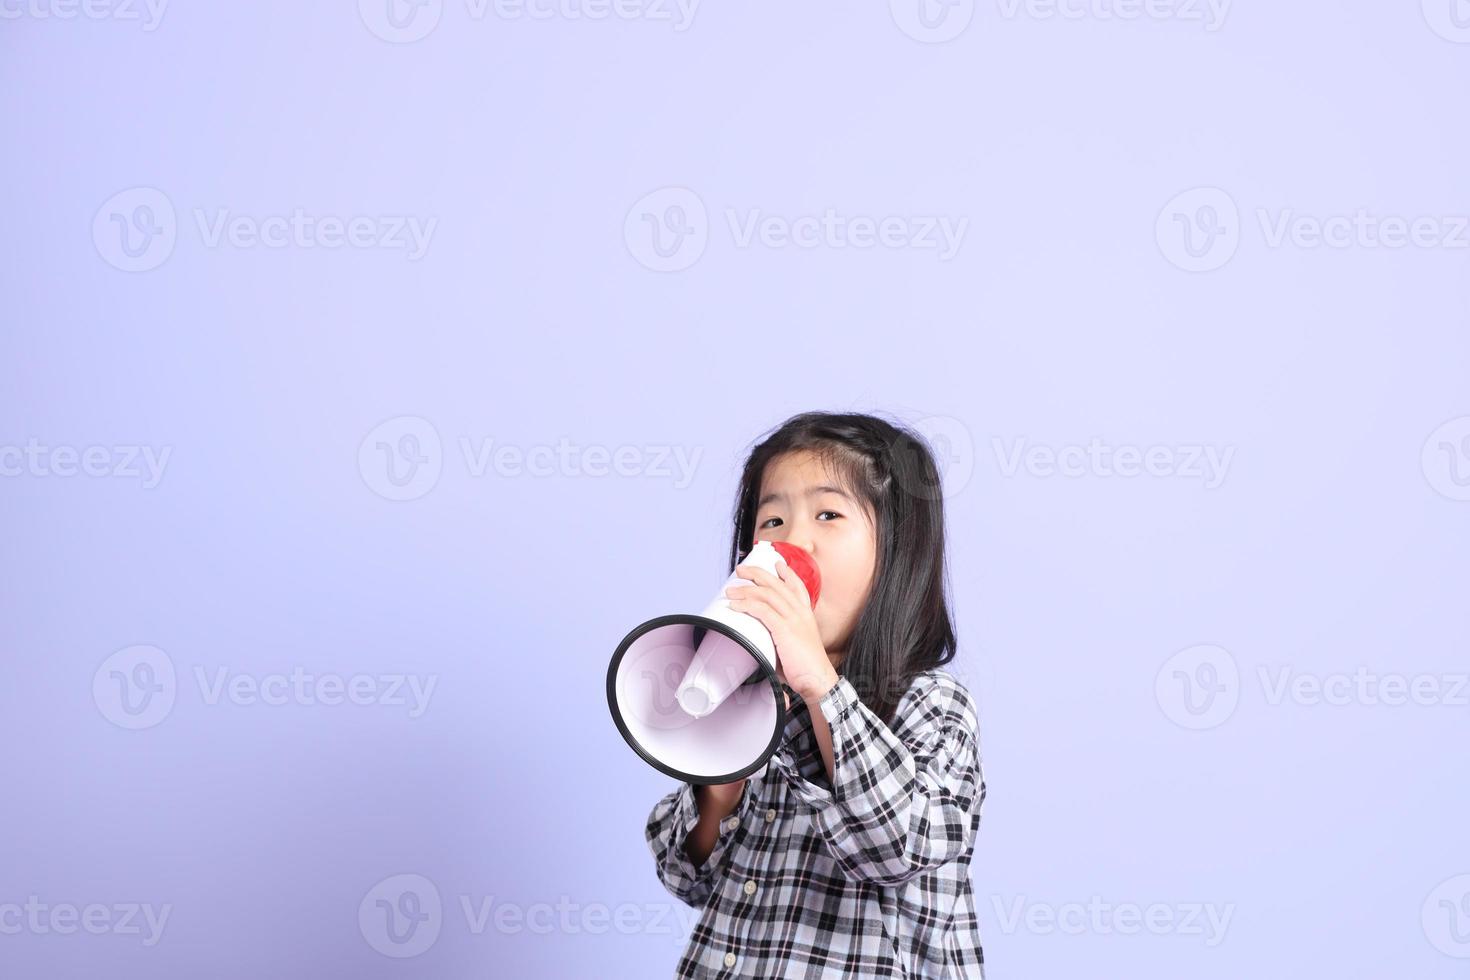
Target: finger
{"x":782,"y":587}
{"x":748,"y":598}
{"x":752,"y":588}
{"x":758,"y":606}
{"x":757,"y":575}
{"x":769,"y":615}
{"x":792,"y":579}
{"x":792,"y":585}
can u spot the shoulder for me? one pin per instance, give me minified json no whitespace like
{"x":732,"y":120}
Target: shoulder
{"x":936,"y":703}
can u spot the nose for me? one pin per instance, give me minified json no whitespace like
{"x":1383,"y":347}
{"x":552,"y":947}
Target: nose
{"x":803,"y":542}
{"x":792,"y":536}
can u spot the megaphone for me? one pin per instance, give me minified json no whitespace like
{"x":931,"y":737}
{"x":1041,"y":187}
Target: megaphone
{"x":696,"y":696}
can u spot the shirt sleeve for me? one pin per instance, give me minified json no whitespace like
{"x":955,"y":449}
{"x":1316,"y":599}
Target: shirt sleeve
{"x":894,"y":810}
{"x":668,"y":825}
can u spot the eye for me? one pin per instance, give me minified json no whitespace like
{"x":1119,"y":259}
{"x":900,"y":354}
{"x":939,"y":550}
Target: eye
{"x":767,"y":522}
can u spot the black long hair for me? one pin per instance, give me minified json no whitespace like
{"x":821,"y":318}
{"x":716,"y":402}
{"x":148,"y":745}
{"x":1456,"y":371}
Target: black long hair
{"x":906,"y":627}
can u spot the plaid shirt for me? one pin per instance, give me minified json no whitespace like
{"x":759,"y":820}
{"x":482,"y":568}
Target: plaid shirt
{"x":869,"y":877}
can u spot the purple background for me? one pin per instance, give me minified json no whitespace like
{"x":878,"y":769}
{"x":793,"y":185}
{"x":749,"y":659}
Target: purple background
{"x":1335,"y":539}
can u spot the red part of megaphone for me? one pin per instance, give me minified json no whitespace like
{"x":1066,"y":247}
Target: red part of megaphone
{"x":802,"y":564}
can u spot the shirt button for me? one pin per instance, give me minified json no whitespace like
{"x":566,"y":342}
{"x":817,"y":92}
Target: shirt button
{"x":750,"y":888}
{"x":732,"y":823}
{"x":729,"y":959}
{"x":770,"y":815}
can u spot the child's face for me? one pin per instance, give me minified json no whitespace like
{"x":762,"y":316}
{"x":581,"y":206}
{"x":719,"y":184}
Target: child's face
{"x":830,"y":526}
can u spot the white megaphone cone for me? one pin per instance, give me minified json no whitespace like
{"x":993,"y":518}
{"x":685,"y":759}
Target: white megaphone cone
{"x":697,"y":695}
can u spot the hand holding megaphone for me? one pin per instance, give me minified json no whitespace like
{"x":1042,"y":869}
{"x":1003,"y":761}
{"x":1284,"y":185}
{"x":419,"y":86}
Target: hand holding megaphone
{"x":721,"y":665}
{"x":696,"y":695}
{"x":783,"y":602}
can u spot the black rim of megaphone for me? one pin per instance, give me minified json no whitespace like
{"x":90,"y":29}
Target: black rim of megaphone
{"x":719,"y":627}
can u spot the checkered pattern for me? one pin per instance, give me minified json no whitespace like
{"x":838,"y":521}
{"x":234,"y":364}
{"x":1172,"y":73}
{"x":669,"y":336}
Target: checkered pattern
{"x":866,"y":876}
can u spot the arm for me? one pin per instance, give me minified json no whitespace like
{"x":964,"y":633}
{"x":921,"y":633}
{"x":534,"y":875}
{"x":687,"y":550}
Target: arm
{"x":894,"y":810}
{"x":714,"y":804}
{"x":688,"y":844}
{"x":823,"y":731}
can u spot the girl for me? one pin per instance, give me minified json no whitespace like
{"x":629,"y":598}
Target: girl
{"x":849,"y":854}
